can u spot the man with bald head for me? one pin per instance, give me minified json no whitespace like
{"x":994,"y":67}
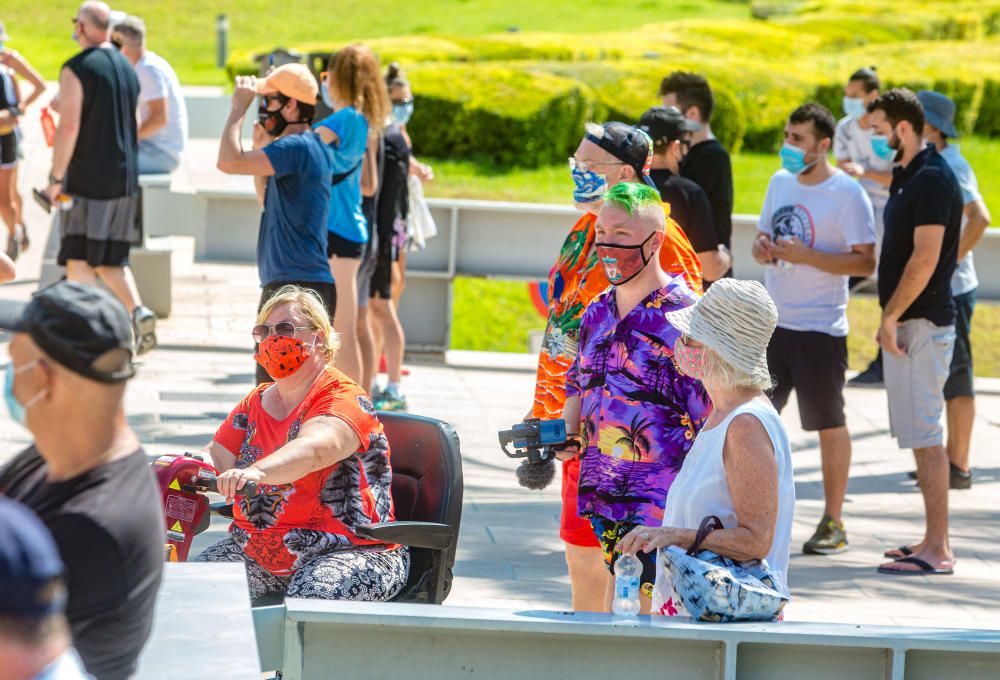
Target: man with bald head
{"x":86,"y":476}
{"x":633,"y":414}
{"x":95,"y":164}
{"x":608,"y":155}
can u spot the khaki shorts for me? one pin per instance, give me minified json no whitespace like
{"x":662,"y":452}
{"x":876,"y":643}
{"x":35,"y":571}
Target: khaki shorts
{"x":914,"y":383}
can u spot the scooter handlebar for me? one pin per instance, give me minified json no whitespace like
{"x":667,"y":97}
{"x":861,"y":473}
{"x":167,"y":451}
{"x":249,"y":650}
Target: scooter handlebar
{"x":209,"y":483}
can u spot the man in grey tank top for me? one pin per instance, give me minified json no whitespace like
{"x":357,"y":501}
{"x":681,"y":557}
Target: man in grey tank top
{"x":94,"y":176}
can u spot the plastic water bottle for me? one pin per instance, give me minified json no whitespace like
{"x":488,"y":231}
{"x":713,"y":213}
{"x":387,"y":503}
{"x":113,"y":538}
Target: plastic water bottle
{"x":628,"y":569}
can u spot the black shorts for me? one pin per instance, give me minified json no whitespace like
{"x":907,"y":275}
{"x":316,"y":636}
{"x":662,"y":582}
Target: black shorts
{"x":341,"y":247}
{"x":813,"y":364}
{"x":609,"y":533}
{"x":8,"y":150}
{"x":327,"y":293}
{"x":960,"y":379}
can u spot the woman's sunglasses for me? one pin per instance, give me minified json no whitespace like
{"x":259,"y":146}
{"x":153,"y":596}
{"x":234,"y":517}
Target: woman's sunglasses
{"x":286,"y":328}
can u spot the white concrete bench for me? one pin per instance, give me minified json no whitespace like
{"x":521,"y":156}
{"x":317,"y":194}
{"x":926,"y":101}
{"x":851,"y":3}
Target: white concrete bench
{"x":323,"y":639}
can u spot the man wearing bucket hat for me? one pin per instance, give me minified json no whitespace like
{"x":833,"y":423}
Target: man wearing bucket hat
{"x":917,"y":330}
{"x":608,"y":155}
{"x":292,"y":170}
{"x":635,"y":414}
{"x":34,"y":636}
{"x":740,"y":466}
{"x":960,"y":404}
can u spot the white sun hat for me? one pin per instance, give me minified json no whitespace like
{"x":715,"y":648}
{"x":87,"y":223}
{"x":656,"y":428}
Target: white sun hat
{"x":735,"y":319}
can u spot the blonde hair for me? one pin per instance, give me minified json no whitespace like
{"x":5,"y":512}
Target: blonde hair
{"x":723,"y":374}
{"x":307,"y":303}
{"x":355,"y":72}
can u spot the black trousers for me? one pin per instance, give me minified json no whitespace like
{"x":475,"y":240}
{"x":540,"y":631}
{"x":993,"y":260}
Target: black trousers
{"x":327,"y":293}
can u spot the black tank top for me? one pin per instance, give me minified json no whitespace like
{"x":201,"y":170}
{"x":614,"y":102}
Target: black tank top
{"x":105,"y":161}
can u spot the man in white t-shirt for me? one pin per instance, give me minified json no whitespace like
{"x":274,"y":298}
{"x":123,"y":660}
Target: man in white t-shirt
{"x":866,"y":156}
{"x":816,"y":229}
{"x":163,"y":126}
{"x":960,"y":404}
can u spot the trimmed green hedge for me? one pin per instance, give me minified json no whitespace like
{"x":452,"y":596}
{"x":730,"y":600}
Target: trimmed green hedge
{"x":521,"y":98}
{"x":512,"y":116}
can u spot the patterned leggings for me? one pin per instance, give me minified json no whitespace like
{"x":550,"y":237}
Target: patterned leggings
{"x":366,"y":575}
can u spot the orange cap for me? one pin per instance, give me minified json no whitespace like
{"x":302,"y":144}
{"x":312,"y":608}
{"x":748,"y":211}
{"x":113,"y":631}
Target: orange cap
{"x":291,"y":80}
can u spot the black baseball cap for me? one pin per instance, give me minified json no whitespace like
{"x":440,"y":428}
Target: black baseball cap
{"x":628,"y":144}
{"x":29,"y":565}
{"x":76,"y":325}
{"x":666,"y":124}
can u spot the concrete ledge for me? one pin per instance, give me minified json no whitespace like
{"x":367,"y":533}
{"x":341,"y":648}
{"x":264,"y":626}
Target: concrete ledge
{"x":421,"y":641}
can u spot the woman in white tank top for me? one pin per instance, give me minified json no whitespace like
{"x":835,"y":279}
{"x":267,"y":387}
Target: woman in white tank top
{"x":739,"y":468}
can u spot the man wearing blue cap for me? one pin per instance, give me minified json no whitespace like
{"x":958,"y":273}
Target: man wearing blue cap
{"x":960,"y":404}
{"x":34,"y":636}
{"x":86,"y":475}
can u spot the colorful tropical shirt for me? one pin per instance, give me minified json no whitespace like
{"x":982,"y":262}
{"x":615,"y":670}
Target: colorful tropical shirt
{"x":574,"y":281}
{"x":284,"y":526}
{"x":640,"y":414}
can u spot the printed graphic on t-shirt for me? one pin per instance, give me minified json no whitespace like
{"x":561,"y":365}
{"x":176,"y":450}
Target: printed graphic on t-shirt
{"x":794,"y":220}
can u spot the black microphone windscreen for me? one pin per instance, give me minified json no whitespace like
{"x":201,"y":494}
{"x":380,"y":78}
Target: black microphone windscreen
{"x":536,"y":476}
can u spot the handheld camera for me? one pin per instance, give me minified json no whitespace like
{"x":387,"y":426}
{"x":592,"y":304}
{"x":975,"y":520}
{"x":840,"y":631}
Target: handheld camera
{"x":536,"y":440}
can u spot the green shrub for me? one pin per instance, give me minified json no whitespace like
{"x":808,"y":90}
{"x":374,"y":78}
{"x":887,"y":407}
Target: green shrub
{"x":508,"y":114}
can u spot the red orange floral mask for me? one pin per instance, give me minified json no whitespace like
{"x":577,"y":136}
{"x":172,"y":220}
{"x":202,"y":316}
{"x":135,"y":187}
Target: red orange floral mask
{"x":282,"y":355}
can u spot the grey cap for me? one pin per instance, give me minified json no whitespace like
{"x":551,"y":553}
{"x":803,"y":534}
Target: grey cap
{"x":939,"y":111}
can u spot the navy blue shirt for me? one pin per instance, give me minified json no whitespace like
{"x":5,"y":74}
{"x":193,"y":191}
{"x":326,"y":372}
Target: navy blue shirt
{"x":291,"y":245}
{"x":925,"y":192}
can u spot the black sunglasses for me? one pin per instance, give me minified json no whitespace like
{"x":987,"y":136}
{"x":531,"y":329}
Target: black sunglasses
{"x":286,"y":328}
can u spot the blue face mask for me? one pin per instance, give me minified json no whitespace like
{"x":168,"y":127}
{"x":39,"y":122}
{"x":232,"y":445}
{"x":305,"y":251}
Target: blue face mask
{"x":324,"y":92}
{"x":18,"y":413}
{"x":589,"y":185}
{"x":401,"y":113}
{"x":880,"y":145}
{"x":793,"y":159}
{"x":854,"y":107}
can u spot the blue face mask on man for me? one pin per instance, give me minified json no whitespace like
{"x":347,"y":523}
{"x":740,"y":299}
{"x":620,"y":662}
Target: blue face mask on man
{"x":881,"y":147}
{"x":854,"y":107}
{"x":402,"y":112}
{"x":793,"y":159}
{"x":18,"y":412}
{"x":589,"y":186}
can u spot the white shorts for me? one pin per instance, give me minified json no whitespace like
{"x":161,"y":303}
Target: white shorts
{"x":914,"y":383}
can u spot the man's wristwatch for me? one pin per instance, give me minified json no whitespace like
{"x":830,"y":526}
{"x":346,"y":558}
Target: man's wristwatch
{"x":54,"y":180}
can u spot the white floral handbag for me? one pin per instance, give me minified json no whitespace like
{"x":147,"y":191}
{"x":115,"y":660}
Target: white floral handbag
{"x":717,"y":589}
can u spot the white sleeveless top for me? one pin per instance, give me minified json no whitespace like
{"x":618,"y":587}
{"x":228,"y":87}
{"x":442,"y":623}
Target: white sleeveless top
{"x":701,"y":489}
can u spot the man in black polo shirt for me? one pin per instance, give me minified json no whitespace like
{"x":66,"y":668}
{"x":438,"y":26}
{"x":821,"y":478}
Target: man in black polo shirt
{"x":689,"y":207}
{"x":707,"y":163}
{"x":917,"y":331}
{"x":86,"y":475}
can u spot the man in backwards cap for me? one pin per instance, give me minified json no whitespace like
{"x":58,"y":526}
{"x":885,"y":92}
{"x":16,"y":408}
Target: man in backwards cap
{"x":34,"y":637}
{"x":293,"y":171}
{"x":86,"y":476}
{"x":608,"y":155}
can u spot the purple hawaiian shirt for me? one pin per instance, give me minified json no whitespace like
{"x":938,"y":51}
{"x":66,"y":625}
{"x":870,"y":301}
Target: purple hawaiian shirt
{"x":640,"y":414}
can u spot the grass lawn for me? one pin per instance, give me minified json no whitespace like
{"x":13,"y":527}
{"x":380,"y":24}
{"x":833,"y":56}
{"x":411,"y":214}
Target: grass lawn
{"x":751,"y":172}
{"x":183,"y":31}
{"x":511,"y":316}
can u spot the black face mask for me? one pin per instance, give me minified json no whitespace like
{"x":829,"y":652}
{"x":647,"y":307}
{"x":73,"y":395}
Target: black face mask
{"x":272,"y":121}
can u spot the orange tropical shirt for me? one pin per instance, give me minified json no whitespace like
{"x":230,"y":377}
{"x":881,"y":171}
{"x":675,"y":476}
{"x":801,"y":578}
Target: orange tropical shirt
{"x":576,"y":279}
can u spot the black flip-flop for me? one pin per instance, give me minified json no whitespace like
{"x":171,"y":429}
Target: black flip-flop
{"x":925,"y":568}
{"x":905,"y":549}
